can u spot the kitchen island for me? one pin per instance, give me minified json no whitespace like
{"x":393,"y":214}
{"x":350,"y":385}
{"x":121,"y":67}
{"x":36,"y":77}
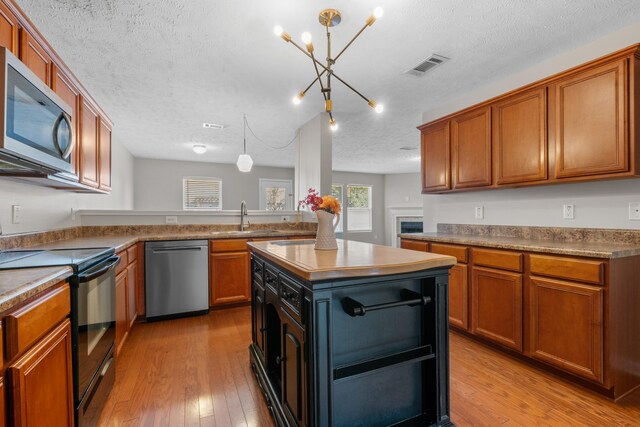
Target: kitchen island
{"x":352,"y":337}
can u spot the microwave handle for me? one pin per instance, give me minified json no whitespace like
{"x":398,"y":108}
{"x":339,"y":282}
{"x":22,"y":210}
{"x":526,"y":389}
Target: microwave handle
{"x":56,"y":125}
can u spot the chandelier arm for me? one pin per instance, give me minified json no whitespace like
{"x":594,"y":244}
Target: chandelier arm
{"x":313,"y":82}
{"x":318,"y":76}
{"x":349,"y":44}
{"x":351,"y":87}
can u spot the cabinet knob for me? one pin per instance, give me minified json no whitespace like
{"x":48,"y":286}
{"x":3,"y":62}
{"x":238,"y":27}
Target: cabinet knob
{"x":263,"y":329}
{"x":279,"y":360}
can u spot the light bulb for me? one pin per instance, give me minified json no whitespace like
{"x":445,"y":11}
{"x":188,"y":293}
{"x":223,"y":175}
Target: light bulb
{"x":277,"y":30}
{"x":244,"y":163}
{"x":298,"y":98}
{"x":378,"y":12}
{"x":333,"y":125}
{"x":199,"y":149}
{"x":379,"y":108}
{"x":306,"y":37}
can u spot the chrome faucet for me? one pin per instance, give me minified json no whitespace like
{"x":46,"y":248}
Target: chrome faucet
{"x":243,"y":212}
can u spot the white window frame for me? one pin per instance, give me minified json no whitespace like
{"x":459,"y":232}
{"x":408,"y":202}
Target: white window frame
{"x":340,"y":227}
{"x":370,"y":208}
{"x":289,"y":199}
{"x":202,"y":178}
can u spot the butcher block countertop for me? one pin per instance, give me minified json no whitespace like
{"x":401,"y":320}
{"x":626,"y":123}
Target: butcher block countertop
{"x":351,"y":259}
{"x":17,"y":286}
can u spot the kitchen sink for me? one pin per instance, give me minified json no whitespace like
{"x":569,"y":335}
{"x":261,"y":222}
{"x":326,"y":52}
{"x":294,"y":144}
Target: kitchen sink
{"x":250,"y":232}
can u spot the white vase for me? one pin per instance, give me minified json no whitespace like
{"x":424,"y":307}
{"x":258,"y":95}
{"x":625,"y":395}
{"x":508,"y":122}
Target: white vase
{"x":326,"y":234}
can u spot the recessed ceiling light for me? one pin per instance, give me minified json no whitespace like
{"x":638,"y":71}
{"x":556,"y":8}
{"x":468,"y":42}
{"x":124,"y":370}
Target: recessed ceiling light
{"x":216,"y":126}
{"x":199,"y":149}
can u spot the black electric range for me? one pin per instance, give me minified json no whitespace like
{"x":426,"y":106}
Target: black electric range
{"x":78,"y":259}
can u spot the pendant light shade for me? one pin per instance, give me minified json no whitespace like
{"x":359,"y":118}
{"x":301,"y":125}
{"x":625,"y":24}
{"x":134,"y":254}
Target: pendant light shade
{"x":244,"y":160}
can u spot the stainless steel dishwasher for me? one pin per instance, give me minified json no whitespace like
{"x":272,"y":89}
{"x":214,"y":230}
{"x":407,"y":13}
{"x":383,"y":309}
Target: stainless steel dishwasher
{"x":177,"y":278}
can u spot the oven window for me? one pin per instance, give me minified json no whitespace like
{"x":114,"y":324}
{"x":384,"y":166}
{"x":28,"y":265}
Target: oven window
{"x":98,"y":314}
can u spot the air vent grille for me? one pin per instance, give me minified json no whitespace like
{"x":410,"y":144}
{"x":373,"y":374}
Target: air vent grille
{"x":426,"y":65}
{"x":213,"y":126}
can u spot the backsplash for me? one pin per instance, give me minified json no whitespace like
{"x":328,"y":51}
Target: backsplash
{"x":596,"y":235}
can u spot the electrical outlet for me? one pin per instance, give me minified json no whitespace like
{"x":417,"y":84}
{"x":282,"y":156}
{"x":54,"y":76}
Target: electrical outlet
{"x":634,"y":211}
{"x":479,"y":212}
{"x":171,"y":219}
{"x":285,"y":218}
{"x":15,"y":214}
{"x":568,"y":211}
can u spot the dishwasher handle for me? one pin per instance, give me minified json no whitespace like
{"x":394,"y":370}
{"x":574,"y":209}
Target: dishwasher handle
{"x":177,"y":248}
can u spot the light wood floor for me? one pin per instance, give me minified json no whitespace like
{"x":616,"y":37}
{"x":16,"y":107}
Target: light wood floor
{"x":195,"y":371}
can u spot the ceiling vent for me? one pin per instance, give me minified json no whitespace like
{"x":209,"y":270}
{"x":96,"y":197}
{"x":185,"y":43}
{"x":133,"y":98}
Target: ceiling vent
{"x":407,"y":148}
{"x":213,"y":126}
{"x":426,"y":65}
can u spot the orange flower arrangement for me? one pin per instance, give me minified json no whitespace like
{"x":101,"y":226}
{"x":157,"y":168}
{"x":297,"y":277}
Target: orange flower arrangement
{"x":325,"y":203}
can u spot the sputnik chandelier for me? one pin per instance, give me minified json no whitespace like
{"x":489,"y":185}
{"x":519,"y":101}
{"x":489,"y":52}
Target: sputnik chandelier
{"x":329,"y":18}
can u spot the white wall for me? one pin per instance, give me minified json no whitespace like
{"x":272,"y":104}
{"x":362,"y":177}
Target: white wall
{"x":598,"y":204}
{"x":313,"y":157}
{"x":402,"y":196}
{"x":158,"y":183}
{"x":48,"y":209}
{"x":377,"y":235}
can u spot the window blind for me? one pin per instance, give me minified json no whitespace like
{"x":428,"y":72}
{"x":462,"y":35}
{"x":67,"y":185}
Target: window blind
{"x":202,"y":194}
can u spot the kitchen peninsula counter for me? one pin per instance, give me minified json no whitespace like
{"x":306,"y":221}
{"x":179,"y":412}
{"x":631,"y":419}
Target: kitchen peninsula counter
{"x":329,"y":325}
{"x":16,"y":286}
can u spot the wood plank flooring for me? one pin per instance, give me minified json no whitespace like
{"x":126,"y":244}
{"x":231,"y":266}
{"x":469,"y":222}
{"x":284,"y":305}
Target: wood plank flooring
{"x":195,"y":372}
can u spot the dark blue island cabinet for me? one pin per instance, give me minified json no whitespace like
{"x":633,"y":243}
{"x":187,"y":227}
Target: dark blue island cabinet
{"x":353,"y":337}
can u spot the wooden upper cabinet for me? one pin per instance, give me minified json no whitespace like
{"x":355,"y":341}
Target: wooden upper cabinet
{"x":88,"y":155}
{"x":436,"y":164}
{"x":520,"y":137}
{"x":105,"y":156}
{"x":35,"y":57}
{"x":591,"y":121}
{"x":471,"y":148}
{"x":62,"y":85}
{"x":8,"y":29}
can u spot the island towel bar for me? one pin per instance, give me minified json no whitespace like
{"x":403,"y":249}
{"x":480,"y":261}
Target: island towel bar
{"x":355,"y":308}
{"x":414,"y":355}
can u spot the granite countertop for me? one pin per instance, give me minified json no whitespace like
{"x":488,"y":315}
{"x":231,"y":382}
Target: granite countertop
{"x":18,"y":285}
{"x":351,"y":259}
{"x":560,"y":247}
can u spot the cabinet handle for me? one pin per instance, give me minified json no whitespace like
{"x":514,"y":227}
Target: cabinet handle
{"x":263,"y":329}
{"x":279,"y":360}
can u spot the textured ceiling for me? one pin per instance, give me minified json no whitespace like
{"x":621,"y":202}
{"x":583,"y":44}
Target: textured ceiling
{"x":162,"y":68}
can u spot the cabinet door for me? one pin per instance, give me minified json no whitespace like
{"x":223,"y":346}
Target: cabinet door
{"x":566,"y":326}
{"x":293,"y":372}
{"x":414,"y":245}
{"x":591,"y":115}
{"x":41,"y":382}
{"x":435,"y":152}
{"x":471,"y":148}
{"x":257,"y":314}
{"x":520,"y":137}
{"x":105,"y":156}
{"x":132,"y":272}
{"x":3,"y":409}
{"x":70,"y":94}
{"x":35,"y":57}
{"x":8,"y":29}
{"x":121,"y":310}
{"x":88,"y":145}
{"x":459,"y":296}
{"x":229,"y":272}
{"x":496,"y":305}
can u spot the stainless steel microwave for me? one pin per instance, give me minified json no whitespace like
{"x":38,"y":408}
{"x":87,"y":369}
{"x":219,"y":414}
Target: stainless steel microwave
{"x":37,"y":134}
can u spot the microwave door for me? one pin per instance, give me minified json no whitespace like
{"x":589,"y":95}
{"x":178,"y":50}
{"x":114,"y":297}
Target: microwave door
{"x":36,"y":127}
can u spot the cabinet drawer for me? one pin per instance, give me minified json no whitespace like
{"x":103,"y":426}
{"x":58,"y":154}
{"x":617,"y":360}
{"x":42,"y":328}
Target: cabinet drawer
{"x":568,"y":268}
{"x":502,"y":260}
{"x":414,"y":245}
{"x":132,"y":254}
{"x":27,"y":324}
{"x":271,"y":279}
{"x":460,"y":252}
{"x":230,"y":245}
{"x":291,"y":294}
{"x":124,"y":261}
{"x":257,"y":268}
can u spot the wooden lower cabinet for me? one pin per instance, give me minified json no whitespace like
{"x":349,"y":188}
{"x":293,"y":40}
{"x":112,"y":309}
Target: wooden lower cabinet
{"x":41,"y":382}
{"x":293,"y":371}
{"x":3,"y":409}
{"x":566,"y":326}
{"x":459,"y":296}
{"x":229,"y":277}
{"x":414,"y":245}
{"x":132,"y":273}
{"x":121,"y":310}
{"x":496,"y":306}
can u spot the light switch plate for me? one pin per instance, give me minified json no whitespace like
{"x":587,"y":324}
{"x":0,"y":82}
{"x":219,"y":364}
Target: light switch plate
{"x":568,"y":211}
{"x":171,"y":219}
{"x":634,"y":211}
{"x":479,"y":212}
{"x":15,"y":214}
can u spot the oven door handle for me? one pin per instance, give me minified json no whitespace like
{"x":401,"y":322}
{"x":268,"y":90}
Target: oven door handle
{"x":99,"y":270}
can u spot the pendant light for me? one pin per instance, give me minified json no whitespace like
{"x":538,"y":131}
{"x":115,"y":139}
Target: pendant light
{"x":244,"y":160}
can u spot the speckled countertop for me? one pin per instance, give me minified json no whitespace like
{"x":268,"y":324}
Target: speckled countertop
{"x":17,"y":286}
{"x":560,"y":247}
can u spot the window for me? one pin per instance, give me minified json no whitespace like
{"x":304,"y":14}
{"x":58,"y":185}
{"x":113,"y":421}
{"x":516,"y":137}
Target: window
{"x":337,"y":191}
{"x":359,"y":208}
{"x":201,"y":194}
{"x":276,"y":195}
